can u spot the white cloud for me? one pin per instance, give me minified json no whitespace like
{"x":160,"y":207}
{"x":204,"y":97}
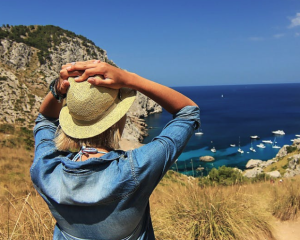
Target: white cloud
{"x":295,"y":22}
{"x":297,"y":34}
{"x":255,"y":39}
{"x":279,"y":35}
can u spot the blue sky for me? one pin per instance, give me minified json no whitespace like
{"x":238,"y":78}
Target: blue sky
{"x":180,"y":43}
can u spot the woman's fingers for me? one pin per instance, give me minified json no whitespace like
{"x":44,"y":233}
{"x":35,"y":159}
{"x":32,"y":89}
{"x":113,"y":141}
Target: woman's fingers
{"x":64,"y":85}
{"x":99,"y":81}
{"x":81,"y":65}
{"x":65,"y":74}
{"x":109,"y":83}
{"x":90,"y":72}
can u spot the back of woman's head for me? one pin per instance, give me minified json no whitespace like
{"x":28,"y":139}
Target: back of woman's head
{"x":109,"y":139}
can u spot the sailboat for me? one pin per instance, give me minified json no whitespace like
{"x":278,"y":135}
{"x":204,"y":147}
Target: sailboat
{"x":240,"y":150}
{"x":252,"y":148}
{"x":213,"y":149}
{"x":199,"y":132}
{"x":274,"y":144}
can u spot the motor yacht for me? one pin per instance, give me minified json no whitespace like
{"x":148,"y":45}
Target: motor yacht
{"x":240,"y":150}
{"x":267,"y":141}
{"x":279,"y":132}
{"x":261,"y":145}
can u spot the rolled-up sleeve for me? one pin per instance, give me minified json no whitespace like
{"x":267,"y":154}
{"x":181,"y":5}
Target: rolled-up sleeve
{"x":152,"y":160}
{"x":44,"y":133}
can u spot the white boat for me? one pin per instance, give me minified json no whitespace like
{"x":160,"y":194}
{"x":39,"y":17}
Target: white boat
{"x":254,"y":137}
{"x":213,"y":149}
{"x":199,"y":132}
{"x":232,"y":145}
{"x":240,"y":150}
{"x":279,"y":132}
{"x":252,"y":148}
{"x":274,"y":145}
{"x":267,"y":141}
{"x":261,"y":145}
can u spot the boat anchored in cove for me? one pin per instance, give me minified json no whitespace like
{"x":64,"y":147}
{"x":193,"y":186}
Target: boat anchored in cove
{"x":274,"y":144}
{"x":252,"y":148}
{"x":278,"y":132}
{"x":240,"y":150}
{"x":199,"y":132}
{"x":261,"y":145}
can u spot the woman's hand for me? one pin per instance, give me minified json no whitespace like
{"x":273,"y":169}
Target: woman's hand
{"x":112,"y":77}
{"x":64,"y":74}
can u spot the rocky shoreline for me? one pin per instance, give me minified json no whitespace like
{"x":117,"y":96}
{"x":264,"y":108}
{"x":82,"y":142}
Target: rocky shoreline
{"x":254,"y":167}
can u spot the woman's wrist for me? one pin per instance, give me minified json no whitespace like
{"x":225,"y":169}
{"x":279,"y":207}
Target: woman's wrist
{"x":53,"y":87}
{"x":131,"y":80}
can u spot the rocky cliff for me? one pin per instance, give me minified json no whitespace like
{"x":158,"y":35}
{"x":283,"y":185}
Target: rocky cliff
{"x":31,"y":57}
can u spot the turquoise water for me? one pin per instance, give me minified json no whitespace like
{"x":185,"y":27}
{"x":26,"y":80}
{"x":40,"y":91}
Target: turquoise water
{"x":230,"y":115}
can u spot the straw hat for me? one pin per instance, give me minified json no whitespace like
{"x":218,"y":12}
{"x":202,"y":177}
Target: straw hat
{"x":90,"y":110}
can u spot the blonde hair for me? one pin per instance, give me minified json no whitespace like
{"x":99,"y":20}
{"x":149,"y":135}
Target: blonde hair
{"x":108,"y":139}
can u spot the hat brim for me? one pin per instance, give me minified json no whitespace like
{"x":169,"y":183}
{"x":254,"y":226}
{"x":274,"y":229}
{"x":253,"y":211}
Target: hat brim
{"x":87,"y":129}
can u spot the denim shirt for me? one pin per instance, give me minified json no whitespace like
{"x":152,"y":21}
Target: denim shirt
{"x":106,"y":197}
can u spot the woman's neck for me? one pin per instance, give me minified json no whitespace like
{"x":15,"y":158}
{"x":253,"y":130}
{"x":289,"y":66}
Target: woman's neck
{"x":88,"y":152}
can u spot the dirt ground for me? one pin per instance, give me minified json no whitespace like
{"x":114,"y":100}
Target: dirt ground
{"x":287,"y":230}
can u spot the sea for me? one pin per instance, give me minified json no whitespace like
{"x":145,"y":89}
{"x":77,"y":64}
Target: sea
{"x":230,"y":114}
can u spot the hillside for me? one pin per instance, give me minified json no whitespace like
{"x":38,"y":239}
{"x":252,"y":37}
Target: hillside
{"x":181,"y":207}
{"x":31,"y":57}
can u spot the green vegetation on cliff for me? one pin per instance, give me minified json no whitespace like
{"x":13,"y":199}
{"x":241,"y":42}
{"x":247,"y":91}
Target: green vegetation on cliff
{"x":45,"y":38}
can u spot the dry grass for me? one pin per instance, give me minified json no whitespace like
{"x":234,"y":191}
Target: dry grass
{"x":15,"y":165}
{"x":25,"y":217}
{"x":186,"y":211}
{"x":286,"y":200}
{"x":180,"y":208}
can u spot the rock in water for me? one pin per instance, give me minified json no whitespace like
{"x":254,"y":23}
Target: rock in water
{"x":207,"y":159}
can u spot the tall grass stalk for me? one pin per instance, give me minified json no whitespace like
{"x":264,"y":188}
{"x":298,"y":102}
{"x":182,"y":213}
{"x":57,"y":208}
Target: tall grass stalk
{"x":211,"y":213}
{"x":286,"y":200}
{"x":27,"y":216}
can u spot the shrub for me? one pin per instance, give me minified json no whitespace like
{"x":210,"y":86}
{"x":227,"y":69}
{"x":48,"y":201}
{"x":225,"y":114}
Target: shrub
{"x":260,"y":177}
{"x":226,"y":176}
{"x":7,"y":128}
{"x":291,"y":149}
